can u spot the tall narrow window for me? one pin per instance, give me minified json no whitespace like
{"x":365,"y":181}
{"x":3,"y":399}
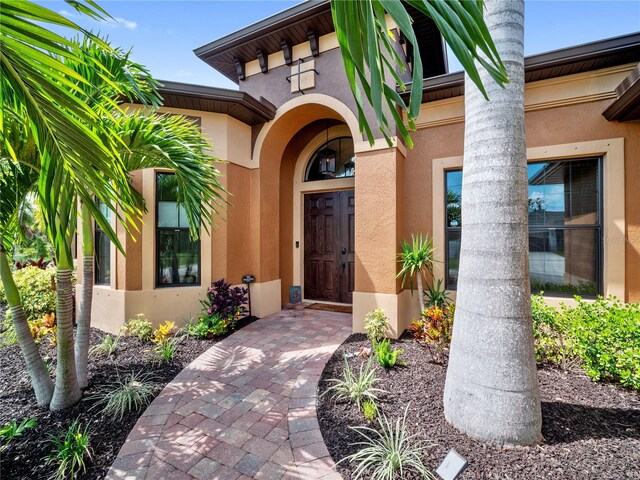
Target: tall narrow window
{"x":177,"y":255}
{"x":565,"y":226}
{"x":102,"y":247}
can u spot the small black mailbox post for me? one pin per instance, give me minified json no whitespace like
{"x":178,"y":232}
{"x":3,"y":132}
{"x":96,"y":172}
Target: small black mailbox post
{"x":248,"y":280}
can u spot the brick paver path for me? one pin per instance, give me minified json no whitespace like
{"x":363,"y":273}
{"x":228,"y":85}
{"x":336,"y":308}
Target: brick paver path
{"x":246,"y":408}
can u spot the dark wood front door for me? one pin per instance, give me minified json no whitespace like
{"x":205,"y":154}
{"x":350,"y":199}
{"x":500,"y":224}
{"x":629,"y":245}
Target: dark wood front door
{"x":329,"y":253}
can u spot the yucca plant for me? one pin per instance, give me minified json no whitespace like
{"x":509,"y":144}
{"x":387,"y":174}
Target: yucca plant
{"x":416,"y":260}
{"x":388,"y":452}
{"x":436,"y":295}
{"x":70,"y":451}
{"x":124,"y":395}
{"x":353,"y":387}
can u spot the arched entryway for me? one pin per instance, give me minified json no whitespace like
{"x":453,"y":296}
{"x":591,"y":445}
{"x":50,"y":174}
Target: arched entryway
{"x":285,"y":151}
{"x":324,"y":206}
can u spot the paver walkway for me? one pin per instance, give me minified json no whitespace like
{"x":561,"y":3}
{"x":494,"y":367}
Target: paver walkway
{"x":246,"y":408}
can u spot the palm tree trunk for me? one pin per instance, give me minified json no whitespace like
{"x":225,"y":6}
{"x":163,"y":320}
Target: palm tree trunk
{"x":420,"y":291}
{"x":491,"y":391}
{"x":86,"y":297}
{"x":67,"y":391}
{"x":40,"y":379}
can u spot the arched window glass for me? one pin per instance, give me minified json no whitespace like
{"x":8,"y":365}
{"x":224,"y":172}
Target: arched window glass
{"x":334,"y":159}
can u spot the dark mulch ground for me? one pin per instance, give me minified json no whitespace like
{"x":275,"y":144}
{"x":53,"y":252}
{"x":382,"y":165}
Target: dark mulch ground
{"x":591,"y":430}
{"x":24,"y":459}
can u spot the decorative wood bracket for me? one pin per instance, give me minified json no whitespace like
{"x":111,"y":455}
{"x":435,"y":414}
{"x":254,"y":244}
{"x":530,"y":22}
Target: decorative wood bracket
{"x":239,"y":68}
{"x":286,"y":50}
{"x":313,"y":42}
{"x":263,"y":60}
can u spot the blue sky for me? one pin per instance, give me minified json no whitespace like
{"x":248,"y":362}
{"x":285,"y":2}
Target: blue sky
{"x":163,"y":34}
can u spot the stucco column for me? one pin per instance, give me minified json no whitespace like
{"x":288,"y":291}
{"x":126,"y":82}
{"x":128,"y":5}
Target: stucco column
{"x":379,"y":193}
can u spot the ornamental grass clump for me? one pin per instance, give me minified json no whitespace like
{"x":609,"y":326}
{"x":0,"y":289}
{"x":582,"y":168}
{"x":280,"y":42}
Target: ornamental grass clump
{"x":388,"y":452}
{"x":124,"y":395}
{"x":107,"y":347}
{"x":356,"y":388}
{"x":166,"y":350}
{"x":70,"y":451}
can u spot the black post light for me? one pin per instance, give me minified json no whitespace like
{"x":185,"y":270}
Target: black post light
{"x":248,"y":280}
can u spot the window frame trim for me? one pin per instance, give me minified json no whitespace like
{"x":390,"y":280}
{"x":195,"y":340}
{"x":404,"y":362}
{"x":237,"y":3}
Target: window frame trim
{"x":614,"y":240}
{"x":156,"y":239}
{"x":597,"y":228}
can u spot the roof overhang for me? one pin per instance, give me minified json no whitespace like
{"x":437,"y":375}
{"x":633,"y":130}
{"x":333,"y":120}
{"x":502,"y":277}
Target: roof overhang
{"x":293,"y":25}
{"x":239,"y":105}
{"x":557,"y":63}
{"x":627,"y":106}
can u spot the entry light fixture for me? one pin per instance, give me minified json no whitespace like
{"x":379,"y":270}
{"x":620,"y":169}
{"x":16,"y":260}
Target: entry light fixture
{"x":327,"y":158}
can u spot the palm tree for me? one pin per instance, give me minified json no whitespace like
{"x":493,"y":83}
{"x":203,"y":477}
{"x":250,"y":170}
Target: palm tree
{"x":16,"y":181}
{"x":491,"y":391}
{"x":416,"y":260}
{"x":154,"y":141}
{"x":50,"y":88}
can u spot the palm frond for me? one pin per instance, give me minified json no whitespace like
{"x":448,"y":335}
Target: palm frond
{"x":370,"y":59}
{"x":175,"y":143}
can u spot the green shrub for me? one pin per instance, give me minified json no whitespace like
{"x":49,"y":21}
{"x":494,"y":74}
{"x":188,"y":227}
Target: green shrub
{"x":388,"y":452}
{"x":8,"y":334}
{"x":36,"y":287}
{"x":122,"y":396}
{"x":355,"y":388}
{"x":198,"y":329}
{"x":607,"y":339}
{"x":603,"y":334}
{"x":138,"y":327}
{"x":550,"y":330}
{"x":387,"y":357}
{"x":376,"y":325}
{"x":69,"y":451}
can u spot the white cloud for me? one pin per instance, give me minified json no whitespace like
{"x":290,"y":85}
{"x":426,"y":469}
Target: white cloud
{"x":110,"y":22}
{"x":129,"y":24}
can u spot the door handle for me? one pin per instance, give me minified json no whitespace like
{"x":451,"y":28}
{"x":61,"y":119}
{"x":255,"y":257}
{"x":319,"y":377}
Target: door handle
{"x":344,"y":251}
{"x":344,"y":265}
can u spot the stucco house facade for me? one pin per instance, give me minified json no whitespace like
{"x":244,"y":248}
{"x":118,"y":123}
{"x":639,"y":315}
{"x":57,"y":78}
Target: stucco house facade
{"x":314,"y":205}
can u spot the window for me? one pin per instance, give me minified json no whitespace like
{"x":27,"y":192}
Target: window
{"x":565,"y":226}
{"x":334,"y":159}
{"x":177,"y":255}
{"x":102,"y":246}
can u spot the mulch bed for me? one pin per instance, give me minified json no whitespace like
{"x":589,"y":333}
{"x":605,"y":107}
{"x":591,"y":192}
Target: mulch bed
{"x":24,"y":459}
{"x":591,"y":430}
